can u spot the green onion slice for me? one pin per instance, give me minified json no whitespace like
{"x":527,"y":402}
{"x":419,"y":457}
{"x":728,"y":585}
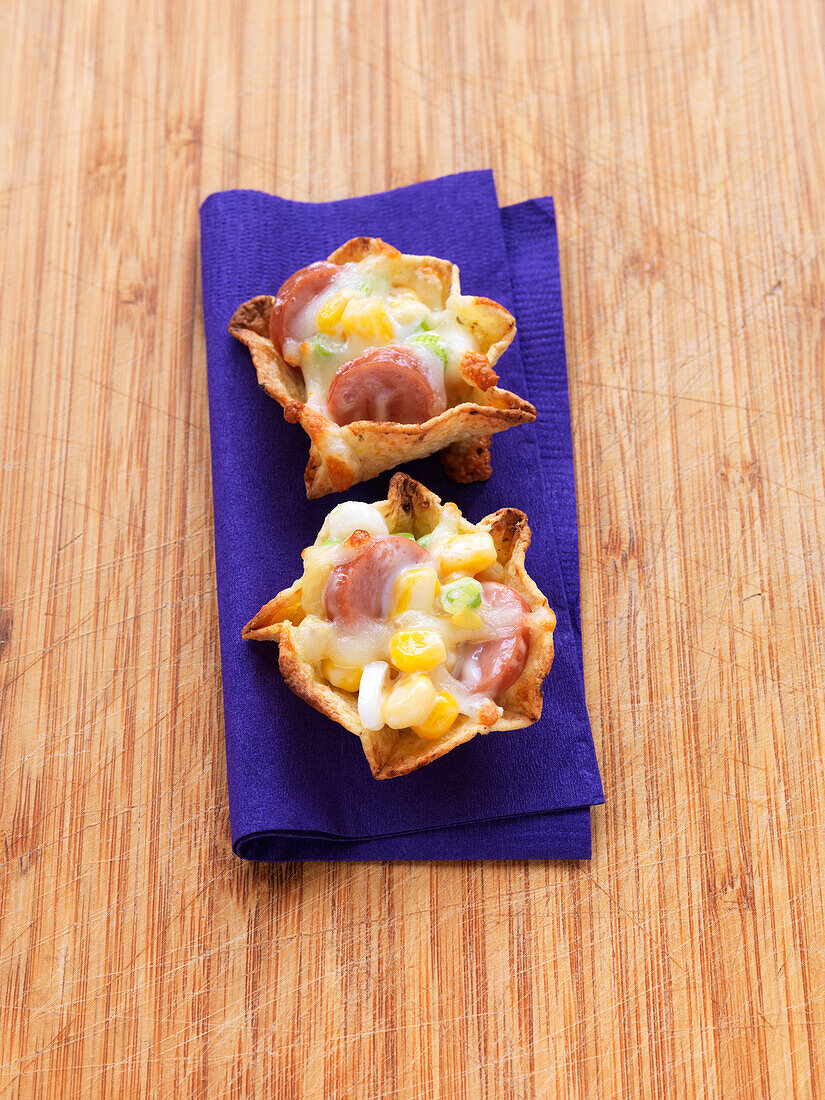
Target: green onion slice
{"x":461,"y":595}
{"x":432,"y":342}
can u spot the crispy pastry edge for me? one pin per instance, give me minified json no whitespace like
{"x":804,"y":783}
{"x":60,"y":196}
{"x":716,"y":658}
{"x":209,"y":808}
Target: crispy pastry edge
{"x":340,"y":457}
{"x":390,"y":753}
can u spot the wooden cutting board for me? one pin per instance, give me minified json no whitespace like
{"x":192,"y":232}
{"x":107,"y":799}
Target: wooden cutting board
{"x":138,"y":957}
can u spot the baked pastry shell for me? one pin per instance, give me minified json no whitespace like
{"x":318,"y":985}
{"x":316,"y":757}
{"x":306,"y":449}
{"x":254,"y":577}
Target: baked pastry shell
{"x":343,"y":456}
{"x":410,"y":506}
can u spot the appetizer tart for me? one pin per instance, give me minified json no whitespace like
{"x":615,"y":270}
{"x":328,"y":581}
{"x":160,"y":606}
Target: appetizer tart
{"x":382,"y":359}
{"x":413,"y":628}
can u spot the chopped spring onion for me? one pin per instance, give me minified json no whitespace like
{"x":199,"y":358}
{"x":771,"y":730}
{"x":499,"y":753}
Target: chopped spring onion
{"x":461,"y":595}
{"x":432,"y":342}
{"x":323,"y":348}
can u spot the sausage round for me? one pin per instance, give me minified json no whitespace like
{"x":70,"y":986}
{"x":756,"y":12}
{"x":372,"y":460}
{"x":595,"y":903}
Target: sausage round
{"x":294,"y":295}
{"x":489,"y":668}
{"x":384,"y":384}
{"x":360,"y":588}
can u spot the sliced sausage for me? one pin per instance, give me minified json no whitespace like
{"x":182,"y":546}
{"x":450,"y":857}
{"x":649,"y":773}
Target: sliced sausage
{"x":360,"y":588}
{"x":489,"y":668}
{"x":296,"y":293}
{"x":384,"y":384}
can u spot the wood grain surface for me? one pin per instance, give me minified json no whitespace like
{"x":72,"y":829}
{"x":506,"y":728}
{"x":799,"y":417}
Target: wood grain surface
{"x":138,"y":957}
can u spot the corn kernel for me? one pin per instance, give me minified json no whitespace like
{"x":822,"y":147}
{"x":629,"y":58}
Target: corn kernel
{"x":341,"y":676}
{"x":444,"y":712}
{"x":409,"y":702}
{"x":331,"y":312}
{"x":415,"y":590}
{"x":367,"y":317}
{"x":417,"y":650}
{"x":468,"y":553}
{"x":467,"y":619}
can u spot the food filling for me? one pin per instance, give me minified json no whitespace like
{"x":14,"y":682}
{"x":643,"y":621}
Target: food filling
{"x":367,"y":347}
{"x":420,"y":630}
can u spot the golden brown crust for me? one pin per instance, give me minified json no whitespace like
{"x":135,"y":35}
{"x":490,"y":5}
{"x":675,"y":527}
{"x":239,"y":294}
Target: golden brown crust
{"x":342,"y":456}
{"x":285,"y":607}
{"x":410,"y":506}
{"x":477,"y":370}
{"x":467,"y":462}
{"x":358,"y":248}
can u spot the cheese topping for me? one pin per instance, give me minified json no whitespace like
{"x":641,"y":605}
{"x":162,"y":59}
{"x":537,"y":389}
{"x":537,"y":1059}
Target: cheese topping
{"x":423,"y":631}
{"x":362,"y":309}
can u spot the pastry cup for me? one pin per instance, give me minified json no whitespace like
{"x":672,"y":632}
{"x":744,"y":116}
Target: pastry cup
{"x":342,"y":456}
{"x":410,"y":506}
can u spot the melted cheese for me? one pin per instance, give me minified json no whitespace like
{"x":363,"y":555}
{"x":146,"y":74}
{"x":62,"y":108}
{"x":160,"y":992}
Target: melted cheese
{"x":364,"y":642}
{"x":469,"y":702}
{"x":447,"y":527}
{"x":350,"y":516}
{"x":319,"y":560}
{"x":319,"y":356}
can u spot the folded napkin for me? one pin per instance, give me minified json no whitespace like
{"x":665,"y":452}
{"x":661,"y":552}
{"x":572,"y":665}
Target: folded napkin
{"x":299,"y":785}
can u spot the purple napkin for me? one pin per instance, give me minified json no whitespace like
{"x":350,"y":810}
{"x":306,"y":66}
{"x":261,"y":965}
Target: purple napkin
{"x":299,"y":785}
